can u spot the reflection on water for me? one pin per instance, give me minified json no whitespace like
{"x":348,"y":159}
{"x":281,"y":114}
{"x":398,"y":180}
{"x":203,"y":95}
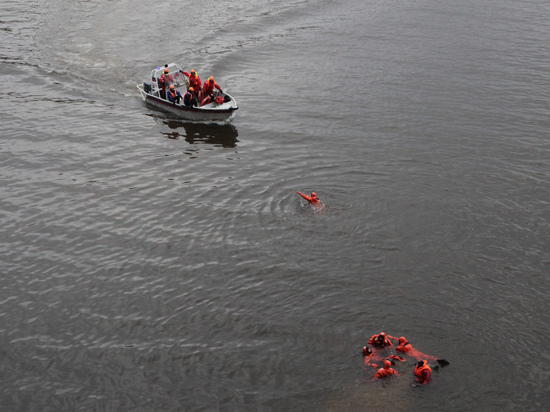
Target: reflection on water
{"x":223,"y":135}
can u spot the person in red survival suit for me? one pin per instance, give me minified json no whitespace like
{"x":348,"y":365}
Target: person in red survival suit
{"x":194,"y":82}
{"x":423,"y":372}
{"x":385,"y":371}
{"x":311,"y":199}
{"x":371,"y":357}
{"x":208,"y":90}
{"x":166,"y":79}
{"x":380,"y":340}
{"x":405,"y":347}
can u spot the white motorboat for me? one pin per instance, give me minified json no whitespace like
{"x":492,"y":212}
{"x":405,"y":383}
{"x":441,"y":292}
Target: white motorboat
{"x":218,"y":110}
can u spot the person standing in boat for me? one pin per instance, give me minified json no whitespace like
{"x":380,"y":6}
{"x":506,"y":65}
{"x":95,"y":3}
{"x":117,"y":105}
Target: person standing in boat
{"x":189,"y":98}
{"x":166,"y":80}
{"x":208,"y":90}
{"x":194,"y":81}
{"x":174,"y":95}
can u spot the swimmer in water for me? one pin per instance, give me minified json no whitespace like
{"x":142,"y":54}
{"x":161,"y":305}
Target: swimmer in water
{"x":423,"y":372}
{"x":371,"y":357}
{"x":313,"y":199}
{"x":385,"y":371}
{"x":405,"y":347}
{"x":380,"y":340}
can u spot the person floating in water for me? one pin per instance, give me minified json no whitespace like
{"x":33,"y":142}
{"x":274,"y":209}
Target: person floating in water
{"x":313,"y":199}
{"x":423,"y":372}
{"x":405,"y":347}
{"x":371,"y":357}
{"x":387,"y":370}
{"x":380,"y":340}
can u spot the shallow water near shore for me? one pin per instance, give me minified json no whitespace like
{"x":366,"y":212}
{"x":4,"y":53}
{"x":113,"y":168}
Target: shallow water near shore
{"x":150,"y":263}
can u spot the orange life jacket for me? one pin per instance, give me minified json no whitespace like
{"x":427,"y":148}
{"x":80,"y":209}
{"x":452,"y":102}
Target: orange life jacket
{"x":419,"y":369}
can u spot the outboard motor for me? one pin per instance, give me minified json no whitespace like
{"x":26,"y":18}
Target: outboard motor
{"x":147,"y":87}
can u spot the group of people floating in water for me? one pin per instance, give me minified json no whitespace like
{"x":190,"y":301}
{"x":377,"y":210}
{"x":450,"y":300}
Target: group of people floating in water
{"x":376,"y":356}
{"x":198,"y":94}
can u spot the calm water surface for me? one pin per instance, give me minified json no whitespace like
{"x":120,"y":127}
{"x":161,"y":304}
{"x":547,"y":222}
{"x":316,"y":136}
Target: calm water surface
{"x":149,"y":264}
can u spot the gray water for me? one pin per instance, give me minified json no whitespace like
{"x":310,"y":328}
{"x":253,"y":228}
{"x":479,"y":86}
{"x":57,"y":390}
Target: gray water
{"x":151,"y":264}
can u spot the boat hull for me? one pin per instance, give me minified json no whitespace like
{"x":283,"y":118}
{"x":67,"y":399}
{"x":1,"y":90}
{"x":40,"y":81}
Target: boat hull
{"x":210,"y":112}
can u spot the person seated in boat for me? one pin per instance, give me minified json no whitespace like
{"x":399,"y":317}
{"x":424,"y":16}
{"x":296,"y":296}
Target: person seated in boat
{"x":165,"y":81}
{"x":380,"y":340}
{"x":194,"y":81}
{"x":405,"y":347}
{"x":387,"y":370}
{"x":189,"y":98}
{"x":208,"y":90}
{"x":313,"y":199}
{"x":174,"y":95}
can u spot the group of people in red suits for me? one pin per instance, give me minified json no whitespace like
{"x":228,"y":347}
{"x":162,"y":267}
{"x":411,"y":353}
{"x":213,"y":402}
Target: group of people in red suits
{"x":379,"y":342}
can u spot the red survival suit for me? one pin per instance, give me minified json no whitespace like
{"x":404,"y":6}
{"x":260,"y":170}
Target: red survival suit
{"x":380,"y":340}
{"x":165,"y":80}
{"x":405,"y":347}
{"x":208,"y":90}
{"x":194,"y":80}
{"x":385,"y":371}
{"x":311,"y":199}
{"x":423,"y":372}
{"x":371,"y":357}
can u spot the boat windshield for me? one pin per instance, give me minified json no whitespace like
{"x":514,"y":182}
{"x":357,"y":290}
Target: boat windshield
{"x":175,"y":76}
